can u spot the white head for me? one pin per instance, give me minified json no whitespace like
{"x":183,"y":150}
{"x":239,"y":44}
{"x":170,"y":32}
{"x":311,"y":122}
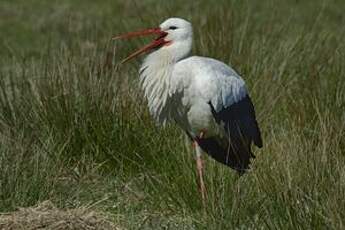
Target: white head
{"x":178,"y":29}
{"x":179,"y":37}
{"x":175,"y":36}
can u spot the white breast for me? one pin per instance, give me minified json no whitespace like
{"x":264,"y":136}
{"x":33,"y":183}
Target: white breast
{"x":155,"y":74}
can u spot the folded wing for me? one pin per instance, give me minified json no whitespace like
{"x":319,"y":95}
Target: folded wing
{"x":234,"y":112}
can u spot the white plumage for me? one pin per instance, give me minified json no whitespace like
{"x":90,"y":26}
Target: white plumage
{"x":205,"y":97}
{"x":179,"y":88}
{"x":180,"y":91}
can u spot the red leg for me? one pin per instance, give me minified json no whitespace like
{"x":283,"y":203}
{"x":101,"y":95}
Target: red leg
{"x":200,"y":167}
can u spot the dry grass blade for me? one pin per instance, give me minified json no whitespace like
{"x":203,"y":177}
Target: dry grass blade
{"x":46,"y":216}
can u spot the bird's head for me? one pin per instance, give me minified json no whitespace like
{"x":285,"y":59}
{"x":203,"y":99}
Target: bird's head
{"x":174,"y":34}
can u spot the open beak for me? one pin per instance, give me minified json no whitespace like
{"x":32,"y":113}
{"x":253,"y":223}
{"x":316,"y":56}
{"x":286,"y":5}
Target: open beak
{"x":158,"y":42}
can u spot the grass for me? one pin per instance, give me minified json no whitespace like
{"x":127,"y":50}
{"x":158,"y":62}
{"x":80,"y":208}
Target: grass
{"x":76,"y":131}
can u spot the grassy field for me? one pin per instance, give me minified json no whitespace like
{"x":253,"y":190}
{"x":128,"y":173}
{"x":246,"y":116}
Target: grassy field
{"x":75,"y":131}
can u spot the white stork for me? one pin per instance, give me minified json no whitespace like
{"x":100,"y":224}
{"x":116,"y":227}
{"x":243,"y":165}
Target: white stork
{"x":204,"y":96}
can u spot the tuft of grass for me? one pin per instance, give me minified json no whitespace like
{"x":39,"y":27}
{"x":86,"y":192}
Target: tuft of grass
{"x":75,"y":129}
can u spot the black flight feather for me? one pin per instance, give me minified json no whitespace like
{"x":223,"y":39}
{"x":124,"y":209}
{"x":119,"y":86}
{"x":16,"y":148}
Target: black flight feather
{"x":241,"y":128}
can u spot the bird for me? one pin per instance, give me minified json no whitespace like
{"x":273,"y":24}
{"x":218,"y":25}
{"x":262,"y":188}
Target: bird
{"x":205,"y":97}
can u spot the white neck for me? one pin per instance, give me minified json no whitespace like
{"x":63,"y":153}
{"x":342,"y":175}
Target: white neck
{"x":155,"y":76}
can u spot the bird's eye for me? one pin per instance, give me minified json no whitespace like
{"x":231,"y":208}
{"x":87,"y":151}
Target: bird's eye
{"x":172,"y":28}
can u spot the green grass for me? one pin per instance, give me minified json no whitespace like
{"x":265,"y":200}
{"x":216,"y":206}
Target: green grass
{"x":77,"y":132}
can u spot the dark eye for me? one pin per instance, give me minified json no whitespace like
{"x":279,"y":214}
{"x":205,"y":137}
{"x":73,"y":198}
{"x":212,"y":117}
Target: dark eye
{"x":172,"y":28}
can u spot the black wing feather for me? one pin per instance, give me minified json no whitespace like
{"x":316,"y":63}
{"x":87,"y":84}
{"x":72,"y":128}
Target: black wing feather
{"x":241,"y":128}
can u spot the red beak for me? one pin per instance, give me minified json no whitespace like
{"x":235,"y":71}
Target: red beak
{"x":158,"y":42}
